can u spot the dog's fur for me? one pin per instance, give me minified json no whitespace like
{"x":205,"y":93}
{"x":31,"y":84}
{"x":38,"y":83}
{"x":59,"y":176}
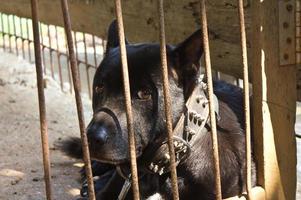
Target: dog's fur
{"x":108,"y":136}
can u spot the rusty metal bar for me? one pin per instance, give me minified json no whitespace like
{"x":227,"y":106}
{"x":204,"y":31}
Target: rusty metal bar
{"x":42,"y":106}
{"x":246,"y":96}
{"x":80,"y":113}
{"x":211,"y":101}
{"x":77,"y":58}
{"x":50,"y":51}
{"x":167,"y":102}
{"x":127,"y":94}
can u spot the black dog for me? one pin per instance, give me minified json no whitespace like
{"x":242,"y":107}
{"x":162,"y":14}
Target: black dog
{"x":107,"y":131}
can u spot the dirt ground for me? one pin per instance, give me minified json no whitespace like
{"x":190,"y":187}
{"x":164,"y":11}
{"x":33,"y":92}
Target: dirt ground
{"x":21,"y":171}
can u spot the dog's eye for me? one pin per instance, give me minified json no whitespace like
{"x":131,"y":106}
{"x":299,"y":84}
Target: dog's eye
{"x":99,"y":89}
{"x":144,"y":94}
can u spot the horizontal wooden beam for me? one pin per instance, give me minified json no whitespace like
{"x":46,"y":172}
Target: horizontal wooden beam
{"x":141,"y":22}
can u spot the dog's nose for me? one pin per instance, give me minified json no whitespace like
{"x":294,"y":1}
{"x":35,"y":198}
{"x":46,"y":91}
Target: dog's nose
{"x":97,"y":134}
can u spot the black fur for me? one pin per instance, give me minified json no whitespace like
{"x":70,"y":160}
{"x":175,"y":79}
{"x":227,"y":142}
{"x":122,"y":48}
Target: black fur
{"x":107,"y":132}
{"x":71,"y":147}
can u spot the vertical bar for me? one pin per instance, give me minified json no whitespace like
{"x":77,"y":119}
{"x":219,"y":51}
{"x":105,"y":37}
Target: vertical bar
{"x":211,"y":101}
{"x":22,"y":37}
{"x":9,"y":34}
{"x":50,"y":51}
{"x":167,"y":102}
{"x":80,"y":113}
{"x":87,"y":66}
{"x":68,"y":64}
{"x":103,"y":47}
{"x":43,"y":48}
{"x":28,"y":37}
{"x":42,"y":106}
{"x":15,"y":34}
{"x":94,"y":48}
{"x":127,"y":94}
{"x":76,"y":47}
{"x":3,"y":32}
{"x":59,"y":58}
{"x":246,"y":96}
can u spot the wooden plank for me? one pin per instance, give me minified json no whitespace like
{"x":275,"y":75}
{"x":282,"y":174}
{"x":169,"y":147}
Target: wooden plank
{"x":141,"y":24}
{"x":274,"y":106}
{"x":298,"y":47}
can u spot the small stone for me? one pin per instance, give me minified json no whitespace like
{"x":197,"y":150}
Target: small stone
{"x":35,"y":179}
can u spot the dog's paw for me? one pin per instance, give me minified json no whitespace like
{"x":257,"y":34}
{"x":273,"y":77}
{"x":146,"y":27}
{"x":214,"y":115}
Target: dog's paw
{"x":99,"y":183}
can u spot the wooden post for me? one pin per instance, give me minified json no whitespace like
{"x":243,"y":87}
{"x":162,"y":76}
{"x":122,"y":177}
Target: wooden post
{"x":274,"y":95}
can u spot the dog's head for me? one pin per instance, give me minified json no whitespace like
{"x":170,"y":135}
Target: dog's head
{"x":107,"y":131}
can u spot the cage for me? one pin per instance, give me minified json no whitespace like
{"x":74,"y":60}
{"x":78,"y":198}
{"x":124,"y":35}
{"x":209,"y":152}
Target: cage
{"x":272,"y":39}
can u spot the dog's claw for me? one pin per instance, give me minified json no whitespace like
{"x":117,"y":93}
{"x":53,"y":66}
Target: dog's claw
{"x":161,"y":171}
{"x":151,"y":166}
{"x":156,"y":168}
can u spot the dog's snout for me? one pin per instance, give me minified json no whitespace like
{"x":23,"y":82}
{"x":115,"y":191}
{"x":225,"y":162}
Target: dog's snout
{"x":102,"y":128}
{"x":97,"y":134}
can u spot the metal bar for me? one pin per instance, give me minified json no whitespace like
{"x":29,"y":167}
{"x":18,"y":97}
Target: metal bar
{"x":59,"y":59}
{"x":127,"y":94}
{"x":28,"y":37}
{"x":3,"y":32}
{"x":94,"y":50}
{"x":9,"y":36}
{"x":15,"y":34}
{"x":211,"y":101}
{"x":167,"y":102}
{"x":77,"y":58}
{"x":246,"y":96}
{"x":68,"y":64}
{"x":104,"y":47}
{"x":42,"y":106}
{"x":76,"y":47}
{"x":43,"y":49}
{"x":87,"y":69}
{"x":50,"y":51}
{"x":22,"y":37}
{"x":80,"y":113}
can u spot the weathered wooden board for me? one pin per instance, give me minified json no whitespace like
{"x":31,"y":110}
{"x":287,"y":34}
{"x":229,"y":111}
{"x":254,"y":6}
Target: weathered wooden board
{"x":274,"y":106}
{"x":141,"y":23}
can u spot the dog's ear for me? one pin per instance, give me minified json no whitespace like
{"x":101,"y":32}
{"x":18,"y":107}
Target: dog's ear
{"x":187,"y":55}
{"x":113,"y":38}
